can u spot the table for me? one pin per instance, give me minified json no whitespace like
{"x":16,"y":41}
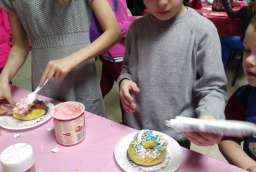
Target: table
{"x":95,"y":153}
{"x":224,"y":24}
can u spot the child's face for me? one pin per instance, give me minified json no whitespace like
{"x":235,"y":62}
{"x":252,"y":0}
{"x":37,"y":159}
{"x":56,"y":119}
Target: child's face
{"x":249,"y":60}
{"x":163,"y":9}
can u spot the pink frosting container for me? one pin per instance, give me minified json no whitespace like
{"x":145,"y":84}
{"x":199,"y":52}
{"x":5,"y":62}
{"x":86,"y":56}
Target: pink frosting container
{"x":69,"y":123}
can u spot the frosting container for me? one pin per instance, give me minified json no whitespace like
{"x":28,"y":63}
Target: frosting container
{"x":69,"y":123}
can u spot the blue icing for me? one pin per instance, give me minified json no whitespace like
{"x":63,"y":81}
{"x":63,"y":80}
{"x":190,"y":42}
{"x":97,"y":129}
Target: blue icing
{"x":148,"y":135}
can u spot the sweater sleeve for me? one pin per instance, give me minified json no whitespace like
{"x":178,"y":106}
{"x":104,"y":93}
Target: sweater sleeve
{"x":7,"y":4}
{"x":231,"y":13}
{"x":125,"y":73}
{"x":210,"y":86}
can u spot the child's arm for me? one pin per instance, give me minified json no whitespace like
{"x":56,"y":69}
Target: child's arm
{"x":127,"y":86}
{"x":128,"y":59}
{"x":209,"y":91}
{"x":234,"y":153}
{"x":57,"y":69}
{"x":16,"y":57}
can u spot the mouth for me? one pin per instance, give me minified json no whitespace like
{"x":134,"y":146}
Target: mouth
{"x":163,"y":12}
{"x":250,"y":74}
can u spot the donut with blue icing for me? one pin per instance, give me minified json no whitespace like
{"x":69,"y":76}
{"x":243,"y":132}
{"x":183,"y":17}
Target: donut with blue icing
{"x":147,"y":148}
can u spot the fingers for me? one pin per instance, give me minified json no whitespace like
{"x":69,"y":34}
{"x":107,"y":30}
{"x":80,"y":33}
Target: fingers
{"x":203,"y":139}
{"x":196,"y":139}
{"x":127,"y":101}
{"x":135,"y":88}
{"x":126,"y":88}
{"x":9,"y":98}
{"x":44,"y":76}
{"x":5,"y":92}
{"x":53,"y":70}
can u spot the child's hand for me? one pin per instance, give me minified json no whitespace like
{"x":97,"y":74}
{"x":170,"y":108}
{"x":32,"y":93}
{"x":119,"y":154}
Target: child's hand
{"x":203,"y":139}
{"x":57,"y":69}
{"x":127,"y":88}
{"x":5,"y":91}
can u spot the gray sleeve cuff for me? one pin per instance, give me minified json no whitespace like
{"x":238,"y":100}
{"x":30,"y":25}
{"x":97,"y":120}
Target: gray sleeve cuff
{"x":122,"y":77}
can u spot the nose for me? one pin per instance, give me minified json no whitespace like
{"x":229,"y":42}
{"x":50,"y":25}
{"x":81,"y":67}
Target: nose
{"x":251,"y":60}
{"x":162,"y":4}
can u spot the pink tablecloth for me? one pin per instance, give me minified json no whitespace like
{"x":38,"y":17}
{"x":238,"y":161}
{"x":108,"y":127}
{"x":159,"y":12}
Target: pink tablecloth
{"x":224,"y":24}
{"x":95,"y":153}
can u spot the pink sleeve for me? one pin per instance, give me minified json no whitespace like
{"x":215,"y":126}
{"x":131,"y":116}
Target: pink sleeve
{"x":5,"y":18}
{"x":124,"y":25}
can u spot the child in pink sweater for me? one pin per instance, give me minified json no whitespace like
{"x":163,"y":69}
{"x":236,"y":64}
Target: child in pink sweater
{"x":112,"y":59}
{"x":4,"y":38}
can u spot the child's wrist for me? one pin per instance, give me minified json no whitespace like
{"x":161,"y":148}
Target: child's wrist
{"x":4,"y":78}
{"x":120,"y":82}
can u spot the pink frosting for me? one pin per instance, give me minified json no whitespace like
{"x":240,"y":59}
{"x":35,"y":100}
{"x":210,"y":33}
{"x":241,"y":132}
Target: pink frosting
{"x":68,"y":110}
{"x":22,"y":107}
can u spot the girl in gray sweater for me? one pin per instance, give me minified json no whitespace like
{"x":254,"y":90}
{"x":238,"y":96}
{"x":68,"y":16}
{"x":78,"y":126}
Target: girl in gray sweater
{"x":61,"y":50}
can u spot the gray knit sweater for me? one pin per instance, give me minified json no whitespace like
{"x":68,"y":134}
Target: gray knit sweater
{"x":177,"y":66}
{"x":56,"y":32}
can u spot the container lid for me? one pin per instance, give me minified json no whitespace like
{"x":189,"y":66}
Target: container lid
{"x":17,"y":158}
{"x":68,"y":110}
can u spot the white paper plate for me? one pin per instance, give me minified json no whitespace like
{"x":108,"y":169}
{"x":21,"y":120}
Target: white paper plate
{"x":171,"y":163}
{"x":10,"y":123}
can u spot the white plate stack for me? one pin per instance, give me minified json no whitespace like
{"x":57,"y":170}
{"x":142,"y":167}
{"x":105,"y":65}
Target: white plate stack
{"x":17,"y":158}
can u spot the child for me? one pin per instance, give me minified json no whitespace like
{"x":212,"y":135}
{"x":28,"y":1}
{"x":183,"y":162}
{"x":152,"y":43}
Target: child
{"x":4,"y":38}
{"x":231,"y":43}
{"x":172,"y":67}
{"x":112,"y":59}
{"x":61,"y":50}
{"x":241,"y":106}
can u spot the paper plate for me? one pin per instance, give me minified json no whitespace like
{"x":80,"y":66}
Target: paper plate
{"x":10,"y":123}
{"x":170,"y":164}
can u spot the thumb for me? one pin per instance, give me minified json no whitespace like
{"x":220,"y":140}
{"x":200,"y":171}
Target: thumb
{"x":135,"y":88}
{"x":9,"y":99}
